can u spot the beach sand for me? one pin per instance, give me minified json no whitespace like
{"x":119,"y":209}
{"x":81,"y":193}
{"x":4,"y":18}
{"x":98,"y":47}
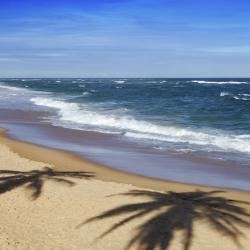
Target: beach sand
{"x":54,"y":217}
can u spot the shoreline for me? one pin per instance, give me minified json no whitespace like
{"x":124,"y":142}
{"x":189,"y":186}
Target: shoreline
{"x":62,"y":159}
{"x":56,"y":219}
{"x":124,"y":156}
{"x":56,"y":158}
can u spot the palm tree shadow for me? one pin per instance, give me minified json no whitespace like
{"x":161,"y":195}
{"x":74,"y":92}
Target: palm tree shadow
{"x":35,"y":179}
{"x":177,"y":212}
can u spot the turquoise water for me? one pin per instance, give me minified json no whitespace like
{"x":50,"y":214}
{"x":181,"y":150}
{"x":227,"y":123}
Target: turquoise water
{"x":205,"y":116}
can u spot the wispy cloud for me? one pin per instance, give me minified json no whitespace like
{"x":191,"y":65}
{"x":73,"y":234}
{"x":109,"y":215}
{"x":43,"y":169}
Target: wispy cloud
{"x":153,"y":37}
{"x":229,"y":50}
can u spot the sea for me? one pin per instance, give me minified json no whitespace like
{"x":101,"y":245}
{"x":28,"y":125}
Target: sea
{"x":194,"y":118}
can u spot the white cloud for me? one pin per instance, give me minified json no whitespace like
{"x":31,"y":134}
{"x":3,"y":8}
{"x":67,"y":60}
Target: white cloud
{"x":229,"y":50}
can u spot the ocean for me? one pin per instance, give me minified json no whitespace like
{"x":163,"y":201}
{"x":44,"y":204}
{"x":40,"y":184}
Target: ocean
{"x":208,"y":118}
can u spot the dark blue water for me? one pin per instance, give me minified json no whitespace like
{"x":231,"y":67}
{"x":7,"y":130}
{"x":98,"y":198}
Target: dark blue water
{"x":208,"y":116}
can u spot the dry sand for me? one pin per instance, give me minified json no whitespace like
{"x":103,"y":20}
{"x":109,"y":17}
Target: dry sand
{"x":51,"y":220}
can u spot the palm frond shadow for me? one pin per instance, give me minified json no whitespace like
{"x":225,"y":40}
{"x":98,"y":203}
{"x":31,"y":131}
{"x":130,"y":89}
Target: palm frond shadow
{"x":177,"y":212}
{"x":35,"y":179}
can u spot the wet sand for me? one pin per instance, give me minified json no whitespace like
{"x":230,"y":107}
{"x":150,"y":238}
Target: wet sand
{"x":53,"y":220}
{"x":125,"y":156}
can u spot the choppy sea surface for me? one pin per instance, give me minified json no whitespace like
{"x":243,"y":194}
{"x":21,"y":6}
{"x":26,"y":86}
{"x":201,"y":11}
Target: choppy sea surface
{"x":205,"y":116}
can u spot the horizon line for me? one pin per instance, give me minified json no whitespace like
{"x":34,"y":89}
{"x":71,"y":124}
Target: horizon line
{"x":125,"y":77}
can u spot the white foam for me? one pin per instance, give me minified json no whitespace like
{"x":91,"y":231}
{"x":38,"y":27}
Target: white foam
{"x":23,"y":91}
{"x":86,"y":93}
{"x":81,"y":115}
{"x":48,"y":102}
{"x":244,"y":137}
{"x":10,"y":87}
{"x":120,"y":81}
{"x":241,"y":98}
{"x":224,"y":93}
{"x":218,"y":82}
{"x":152,"y":82}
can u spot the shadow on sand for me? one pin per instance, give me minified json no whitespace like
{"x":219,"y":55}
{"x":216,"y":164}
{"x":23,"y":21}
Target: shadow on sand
{"x":35,"y":179}
{"x":172,"y":212}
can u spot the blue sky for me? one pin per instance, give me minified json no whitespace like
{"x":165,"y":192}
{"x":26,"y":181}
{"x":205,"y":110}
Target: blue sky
{"x":140,"y":38}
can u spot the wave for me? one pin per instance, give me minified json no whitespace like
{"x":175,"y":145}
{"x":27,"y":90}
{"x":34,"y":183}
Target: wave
{"x":218,"y":82}
{"x":241,"y":98}
{"x":120,"y":81}
{"x":25,"y":90}
{"x":48,"y":102}
{"x":86,"y":93}
{"x":129,"y":126}
{"x":224,"y":93}
{"x":3,"y":86}
{"x":244,"y":136}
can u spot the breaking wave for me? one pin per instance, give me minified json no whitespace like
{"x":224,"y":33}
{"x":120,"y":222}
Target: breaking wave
{"x":224,"y":93}
{"x":129,"y":126}
{"x":120,"y":81}
{"x":218,"y":82}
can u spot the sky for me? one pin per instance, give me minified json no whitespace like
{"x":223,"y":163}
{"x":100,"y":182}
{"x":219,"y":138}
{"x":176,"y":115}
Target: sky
{"x":126,"y":38}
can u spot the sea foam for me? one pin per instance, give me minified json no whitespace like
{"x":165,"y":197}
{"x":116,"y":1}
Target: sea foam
{"x":130,"y":127}
{"x":3,"y":86}
{"x":224,"y":93}
{"x":119,"y":81}
{"x":218,"y":82}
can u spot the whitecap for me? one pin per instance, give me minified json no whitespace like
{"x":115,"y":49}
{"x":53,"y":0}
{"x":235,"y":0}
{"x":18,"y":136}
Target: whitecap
{"x":83,"y":116}
{"x":241,"y":98}
{"x":152,"y":81}
{"x":218,"y":82}
{"x":224,"y":93}
{"x":86,"y":93}
{"x":119,"y":81}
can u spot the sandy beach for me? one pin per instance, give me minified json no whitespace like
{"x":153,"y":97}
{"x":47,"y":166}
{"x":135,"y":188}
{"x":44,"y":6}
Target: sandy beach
{"x":124,"y":125}
{"x":57,"y":206}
